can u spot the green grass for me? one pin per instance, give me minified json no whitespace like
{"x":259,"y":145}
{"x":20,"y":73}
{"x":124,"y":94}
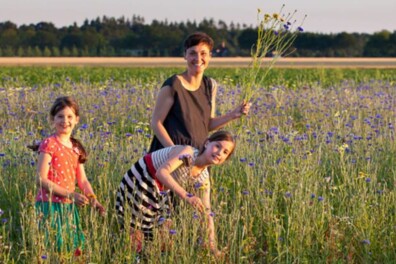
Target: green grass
{"x":292,"y":193}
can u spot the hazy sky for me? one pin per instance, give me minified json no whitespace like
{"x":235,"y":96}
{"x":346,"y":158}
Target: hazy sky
{"x":324,"y":16}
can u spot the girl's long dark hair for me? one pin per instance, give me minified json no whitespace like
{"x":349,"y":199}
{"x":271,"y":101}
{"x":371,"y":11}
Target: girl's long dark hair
{"x":221,"y":136}
{"x":59,"y":104}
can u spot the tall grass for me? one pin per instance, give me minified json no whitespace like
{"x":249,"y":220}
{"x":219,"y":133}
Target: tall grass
{"x":312,"y":179}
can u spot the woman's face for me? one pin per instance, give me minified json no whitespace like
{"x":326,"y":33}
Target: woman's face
{"x":198,"y":58}
{"x":216,"y":152}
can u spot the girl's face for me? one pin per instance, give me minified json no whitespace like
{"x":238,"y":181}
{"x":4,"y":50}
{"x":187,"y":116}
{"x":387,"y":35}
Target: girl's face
{"x":216,"y":152}
{"x":65,"y":121}
{"x":198,"y":58}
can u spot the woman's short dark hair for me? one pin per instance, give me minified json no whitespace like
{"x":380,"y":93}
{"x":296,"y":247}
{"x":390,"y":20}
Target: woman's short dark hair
{"x":197,"y":38}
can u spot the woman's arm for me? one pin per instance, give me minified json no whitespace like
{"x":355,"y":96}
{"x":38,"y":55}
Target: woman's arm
{"x":163,"y":174}
{"x":162,"y":106}
{"x":220,"y":121}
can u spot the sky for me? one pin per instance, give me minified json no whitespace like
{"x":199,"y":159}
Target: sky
{"x":323,"y":16}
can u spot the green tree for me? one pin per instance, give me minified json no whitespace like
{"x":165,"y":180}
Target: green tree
{"x":20,"y":52}
{"x":37,"y":52}
{"x":56,"y":52}
{"x":47,"y":52}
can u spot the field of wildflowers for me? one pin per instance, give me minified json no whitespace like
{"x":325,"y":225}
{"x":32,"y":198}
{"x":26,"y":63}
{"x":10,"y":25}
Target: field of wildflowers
{"x":312,"y":180}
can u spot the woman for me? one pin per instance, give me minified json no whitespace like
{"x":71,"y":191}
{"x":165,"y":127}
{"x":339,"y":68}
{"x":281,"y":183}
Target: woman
{"x":184,"y":113}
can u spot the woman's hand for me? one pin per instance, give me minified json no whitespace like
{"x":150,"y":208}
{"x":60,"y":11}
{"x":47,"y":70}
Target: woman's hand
{"x":242,"y":109}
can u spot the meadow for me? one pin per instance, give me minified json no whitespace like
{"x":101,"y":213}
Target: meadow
{"x":312,"y":180}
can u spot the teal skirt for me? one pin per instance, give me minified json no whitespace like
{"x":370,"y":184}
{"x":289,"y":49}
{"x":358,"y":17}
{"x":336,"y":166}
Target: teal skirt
{"x":61,"y":225}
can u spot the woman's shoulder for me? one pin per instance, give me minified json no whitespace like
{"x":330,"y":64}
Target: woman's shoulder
{"x":169,"y":81}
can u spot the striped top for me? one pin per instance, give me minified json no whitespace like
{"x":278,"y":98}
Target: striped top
{"x":182,"y":174}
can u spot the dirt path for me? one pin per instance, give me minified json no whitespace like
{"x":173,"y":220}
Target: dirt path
{"x":216,"y":62}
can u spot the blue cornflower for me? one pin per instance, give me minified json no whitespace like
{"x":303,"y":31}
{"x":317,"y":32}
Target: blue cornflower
{"x":172,"y":231}
{"x":320,"y":198}
{"x":211,"y":214}
{"x":243,"y":159}
{"x":288,"y":194}
{"x":245,"y":192}
{"x":368,"y":180}
{"x":197,"y":185}
{"x":128,"y":134}
{"x":44,"y":257}
{"x":2,"y":154}
{"x":366,"y":242}
{"x":300,"y":29}
{"x":195,"y":215}
{"x":189,"y":195}
{"x":313,"y":196}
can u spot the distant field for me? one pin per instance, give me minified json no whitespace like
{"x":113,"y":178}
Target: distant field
{"x":216,"y":62}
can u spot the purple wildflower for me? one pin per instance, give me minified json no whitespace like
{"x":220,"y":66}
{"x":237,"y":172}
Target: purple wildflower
{"x":172,"y":231}
{"x":197,"y":185}
{"x":245,"y":192}
{"x":300,"y":29}
{"x":366,"y":242}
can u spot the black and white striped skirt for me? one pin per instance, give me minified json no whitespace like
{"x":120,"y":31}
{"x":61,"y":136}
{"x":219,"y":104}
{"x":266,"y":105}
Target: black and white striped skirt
{"x":141,"y":199}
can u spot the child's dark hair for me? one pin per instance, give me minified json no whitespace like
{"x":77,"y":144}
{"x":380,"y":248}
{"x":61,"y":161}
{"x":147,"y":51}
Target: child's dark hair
{"x":221,"y":135}
{"x":197,"y":38}
{"x":59,"y":104}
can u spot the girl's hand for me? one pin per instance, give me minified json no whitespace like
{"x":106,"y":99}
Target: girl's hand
{"x":196,"y":202}
{"x":80,"y":199}
{"x":95,"y":204}
{"x":217,"y":253}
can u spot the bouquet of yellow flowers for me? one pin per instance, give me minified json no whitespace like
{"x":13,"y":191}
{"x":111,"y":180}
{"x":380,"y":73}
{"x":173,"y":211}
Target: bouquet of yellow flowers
{"x":275,"y":36}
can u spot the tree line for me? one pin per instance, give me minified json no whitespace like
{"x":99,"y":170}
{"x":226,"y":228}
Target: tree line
{"x":108,"y":37}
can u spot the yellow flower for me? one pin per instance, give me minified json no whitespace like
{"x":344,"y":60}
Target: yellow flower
{"x":362,"y":174}
{"x":342,"y":148}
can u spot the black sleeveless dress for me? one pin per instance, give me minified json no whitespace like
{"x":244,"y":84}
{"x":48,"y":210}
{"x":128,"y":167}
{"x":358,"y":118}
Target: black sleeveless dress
{"x":187,"y":122}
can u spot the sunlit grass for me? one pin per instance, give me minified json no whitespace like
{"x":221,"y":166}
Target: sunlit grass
{"x":312,"y":179}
